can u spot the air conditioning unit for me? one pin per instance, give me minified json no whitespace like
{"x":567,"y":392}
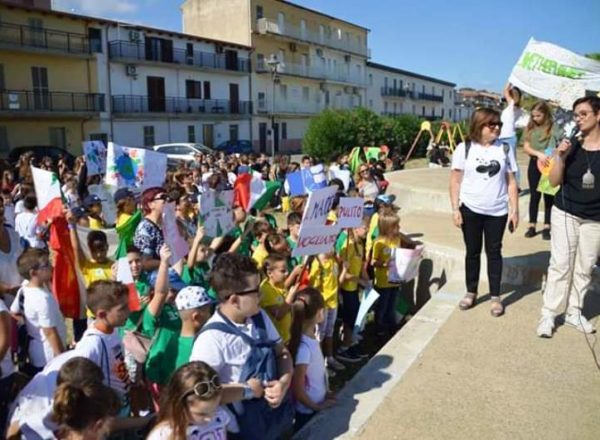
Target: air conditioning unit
{"x":293,"y":47}
{"x":219,"y":48}
{"x":131,"y":70}
{"x":347,"y":58}
{"x":320,"y":53}
{"x":135,"y":36}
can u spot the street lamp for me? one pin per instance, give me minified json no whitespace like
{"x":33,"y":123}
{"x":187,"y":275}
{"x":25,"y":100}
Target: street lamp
{"x":273,"y":64}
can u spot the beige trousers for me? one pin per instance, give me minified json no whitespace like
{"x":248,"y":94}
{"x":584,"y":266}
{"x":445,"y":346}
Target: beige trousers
{"x":575,"y":248}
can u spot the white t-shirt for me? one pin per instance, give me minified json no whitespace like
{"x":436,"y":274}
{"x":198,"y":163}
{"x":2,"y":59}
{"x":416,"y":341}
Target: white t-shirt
{"x":26,"y":227}
{"x":509,"y":117}
{"x":227,"y":353}
{"x":484,"y":187}
{"x":6,"y":364}
{"x":9,"y":274}
{"x":315,"y":381}
{"x":41,"y":310}
{"x":106,"y":350}
{"x":216,"y":429}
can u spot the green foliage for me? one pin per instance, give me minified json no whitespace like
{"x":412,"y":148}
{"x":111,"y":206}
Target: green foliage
{"x":594,"y":56}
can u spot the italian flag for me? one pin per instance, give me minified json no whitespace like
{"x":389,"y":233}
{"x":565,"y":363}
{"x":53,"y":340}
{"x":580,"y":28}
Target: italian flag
{"x":126,"y":231}
{"x":251,"y":191}
{"x":65,"y":285}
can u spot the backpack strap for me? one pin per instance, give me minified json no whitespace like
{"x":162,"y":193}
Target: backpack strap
{"x":467,"y":148}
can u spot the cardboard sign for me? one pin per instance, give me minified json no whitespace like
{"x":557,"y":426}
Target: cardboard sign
{"x":179,"y":247}
{"x":216,"y":212}
{"x":134,"y":168}
{"x":403,"y":264}
{"x":318,"y":206}
{"x":350,"y":212}
{"x":306,"y":181}
{"x":95,"y":157}
{"x":314,"y":240}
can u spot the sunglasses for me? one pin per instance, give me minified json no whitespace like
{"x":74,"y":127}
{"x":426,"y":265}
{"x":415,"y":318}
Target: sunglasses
{"x":205,"y":389}
{"x":255,"y":290}
{"x":492,"y":125}
{"x":163,"y":197}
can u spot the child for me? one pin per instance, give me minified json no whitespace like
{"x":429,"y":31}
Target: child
{"x":260,"y":230}
{"x":190,"y":406}
{"x":351,"y":252}
{"x":44,"y":321}
{"x":26,"y":224}
{"x":125,"y":201}
{"x":324,"y":276}
{"x":275,"y":299}
{"x":194,"y":306}
{"x":195,"y":272}
{"x":310,"y":385}
{"x":243,"y":246}
{"x":93,"y":204}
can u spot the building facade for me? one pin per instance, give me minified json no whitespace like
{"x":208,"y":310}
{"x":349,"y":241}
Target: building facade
{"x":303,"y":62}
{"x":468,"y":100}
{"x":394,"y":92}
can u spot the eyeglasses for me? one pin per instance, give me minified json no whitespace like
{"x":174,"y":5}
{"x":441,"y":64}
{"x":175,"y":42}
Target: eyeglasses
{"x":581,"y":115}
{"x":364,"y":171}
{"x":205,"y":389}
{"x":248,"y":292}
{"x":492,"y":125}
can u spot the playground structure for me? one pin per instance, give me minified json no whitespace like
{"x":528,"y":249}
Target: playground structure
{"x":445,"y":129}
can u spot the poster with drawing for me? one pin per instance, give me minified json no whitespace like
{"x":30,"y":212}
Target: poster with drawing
{"x":134,"y":168}
{"x":216,"y":213}
{"x":179,"y":247}
{"x":95,"y":157}
{"x":109,"y":207}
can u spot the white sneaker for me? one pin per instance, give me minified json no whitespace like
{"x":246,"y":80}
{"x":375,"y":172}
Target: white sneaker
{"x":334,"y":364}
{"x":578,"y":321}
{"x":545,"y":327}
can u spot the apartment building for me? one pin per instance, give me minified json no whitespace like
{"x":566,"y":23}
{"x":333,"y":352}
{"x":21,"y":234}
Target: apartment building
{"x":303,"y":62}
{"x":468,"y":99}
{"x":394,"y":92}
{"x":49,"y":87}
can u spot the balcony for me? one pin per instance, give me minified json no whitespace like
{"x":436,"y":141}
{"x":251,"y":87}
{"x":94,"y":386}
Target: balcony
{"x":314,"y":72}
{"x":19,"y":102}
{"x":131,"y":52}
{"x":146,"y":104}
{"x":395,"y":92}
{"x":266,"y":26}
{"x":430,"y":97}
{"x":32,"y":38}
{"x":289,"y":107}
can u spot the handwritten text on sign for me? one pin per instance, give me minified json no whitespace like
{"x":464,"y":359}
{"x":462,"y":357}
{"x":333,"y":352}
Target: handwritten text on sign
{"x":318,"y":206}
{"x":350,"y":212}
{"x":315,"y":240}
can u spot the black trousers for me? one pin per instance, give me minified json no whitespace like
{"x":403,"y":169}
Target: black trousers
{"x":475,"y":227}
{"x":534,"y":175}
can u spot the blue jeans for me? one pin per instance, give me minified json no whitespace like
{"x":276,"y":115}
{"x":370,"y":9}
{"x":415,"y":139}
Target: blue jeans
{"x":385,"y":308}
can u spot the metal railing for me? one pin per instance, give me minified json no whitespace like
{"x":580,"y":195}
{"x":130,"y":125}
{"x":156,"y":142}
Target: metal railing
{"x":137,"y":51}
{"x":430,"y":97}
{"x":265,"y":106}
{"x":148,"y":104}
{"x":48,"y":39}
{"x":44,"y":101}
{"x":402,"y":93}
{"x":265,"y":26}
{"x":339,"y":75}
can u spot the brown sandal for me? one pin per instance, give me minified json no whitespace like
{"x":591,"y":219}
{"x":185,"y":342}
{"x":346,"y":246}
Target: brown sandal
{"x":497,"y":307}
{"x":468,"y":301}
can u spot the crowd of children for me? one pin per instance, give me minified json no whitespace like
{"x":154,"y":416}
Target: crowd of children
{"x":236,"y":340}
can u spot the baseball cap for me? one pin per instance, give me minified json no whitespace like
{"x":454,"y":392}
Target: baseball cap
{"x":192,"y":297}
{"x":79,"y":212}
{"x":123,"y":193}
{"x":386,"y":199}
{"x":90,"y":200}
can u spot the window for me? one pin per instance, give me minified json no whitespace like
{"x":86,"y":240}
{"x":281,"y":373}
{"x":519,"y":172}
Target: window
{"x":189,"y":52}
{"x":260,"y":61}
{"x":283,"y":91}
{"x":443,"y":93}
{"x":423,"y":111}
{"x":149,"y":136}
{"x":370,"y":79}
{"x":284,"y":130}
{"x":303,"y":29}
{"x":103,"y":137}
{"x":191,"y":134}
{"x":36,"y":29}
{"x":281,"y":22}
{"x":450,"y":113}
{"x":423,"y":88}
{"x":385,"y":107}
{"x":95,"y":36}
{"x":234,"y":132}
{"x":193,"y":89}
{"x":395,"y":108}
{"x":432,"y":90}
{"x":385,"y":82}
{"x":207,"y":90}
{"x":4,"y":147}
{"x":262,"y":101}
{"x":443,"y":113}
{"x":58,"y":137}
{"x":370,"y":103}
{"x":401,"y":86}
{"x":259,"y":12}
{"x":305,"y":94}
{"x":414,"y":112}
{"x":433,"y":111}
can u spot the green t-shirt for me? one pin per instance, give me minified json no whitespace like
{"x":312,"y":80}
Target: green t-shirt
{"x":142,"y":285}
{"x":184,"y":350}
{"x":292,"y":261}
{"x":538,"y":140}
{"x":198,"y":276}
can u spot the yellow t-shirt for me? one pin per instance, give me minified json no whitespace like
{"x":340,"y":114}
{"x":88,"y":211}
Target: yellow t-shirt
{"x":352,"y":254}
{"x":324,"y":276}
{"x":372,"y":226}
{"x":332,"y":217}
{"x":122,"y":218}
{"x":381,"y":251}
{"x":259,"y":256}
{"x":94,"y":272}
{"x":96,"y":224}
{"x":271,"y":295}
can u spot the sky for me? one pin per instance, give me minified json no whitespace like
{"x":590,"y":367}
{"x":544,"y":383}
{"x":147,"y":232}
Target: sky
{"x":473,"y":43}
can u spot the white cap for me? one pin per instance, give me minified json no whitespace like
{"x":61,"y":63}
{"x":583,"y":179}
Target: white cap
{"x":192,"y":297}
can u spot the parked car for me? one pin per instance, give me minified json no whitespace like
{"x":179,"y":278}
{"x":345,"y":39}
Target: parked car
{"x":232,"y":147}
{"x":41,"y":151}
{"x":182,"y":151}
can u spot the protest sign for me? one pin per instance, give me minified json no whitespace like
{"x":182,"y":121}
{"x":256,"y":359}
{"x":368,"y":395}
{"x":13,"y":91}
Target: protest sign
{"x":403,"y":264}
{"x":125,"y":276}
{"x":343,"y":175}
{"x":369,"y":298}
{"x":95,"y":157}
{"x":109,"y":207}
{"x":179,"y":247}
{"x":318,"y":206}
{"x":316,"y":239}
{"x":306,"y":181}
{"x":350,"y":212}
{"x":111,"y":237}
{"x":134,"y":168}
{"x":216,"y":213}
{"x":547,"y":71}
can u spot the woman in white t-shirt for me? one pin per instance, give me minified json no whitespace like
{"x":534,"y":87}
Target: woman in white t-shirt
{"x":509,"y":117}
{"x":484,"y":196}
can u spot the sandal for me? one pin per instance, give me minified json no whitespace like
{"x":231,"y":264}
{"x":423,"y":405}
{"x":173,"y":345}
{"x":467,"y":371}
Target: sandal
{"x":468,"y":301}
{"x":497,"y":307}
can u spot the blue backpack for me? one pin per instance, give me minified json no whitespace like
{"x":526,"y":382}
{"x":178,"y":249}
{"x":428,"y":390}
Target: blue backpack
{"x":256,"y":419}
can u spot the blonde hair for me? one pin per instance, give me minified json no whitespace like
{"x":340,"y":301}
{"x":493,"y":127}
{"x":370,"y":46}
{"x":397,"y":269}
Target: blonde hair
{"x":389,"y":223}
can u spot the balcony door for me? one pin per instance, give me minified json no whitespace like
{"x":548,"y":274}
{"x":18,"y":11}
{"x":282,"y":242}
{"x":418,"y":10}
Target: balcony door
{"x":234,"y":98}
{"x":41,"y":94}
{"x":156,"y":94}
{"x":208,"y":135}
{"x":231,"y":60}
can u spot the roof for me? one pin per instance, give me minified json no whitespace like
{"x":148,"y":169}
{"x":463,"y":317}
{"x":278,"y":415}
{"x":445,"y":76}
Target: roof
{"x":314,"y":11}
{"x":406,"y":72}
{"x":124,"y":24}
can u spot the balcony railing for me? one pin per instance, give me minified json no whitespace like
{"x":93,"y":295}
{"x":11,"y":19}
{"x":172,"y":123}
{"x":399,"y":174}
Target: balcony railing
{"x":137,"y":51}
{"x":430,"y":97}
{"x":47,"y":39}
{"x":43,"y":101}
{"x":402,"y":93}
{"x":339,"y":75}
{"x":266,"y":26}
{"x":148,"y":104}
{"x":281,"y":106}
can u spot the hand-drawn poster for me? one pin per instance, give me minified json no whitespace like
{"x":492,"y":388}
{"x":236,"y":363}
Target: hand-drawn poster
{"x":134,"y":168}
{"x":216,"y":212}
{"x":95,"y":157}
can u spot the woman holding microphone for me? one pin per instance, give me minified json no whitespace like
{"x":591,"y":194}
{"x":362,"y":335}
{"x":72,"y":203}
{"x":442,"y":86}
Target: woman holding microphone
{"x":575,"y":243}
